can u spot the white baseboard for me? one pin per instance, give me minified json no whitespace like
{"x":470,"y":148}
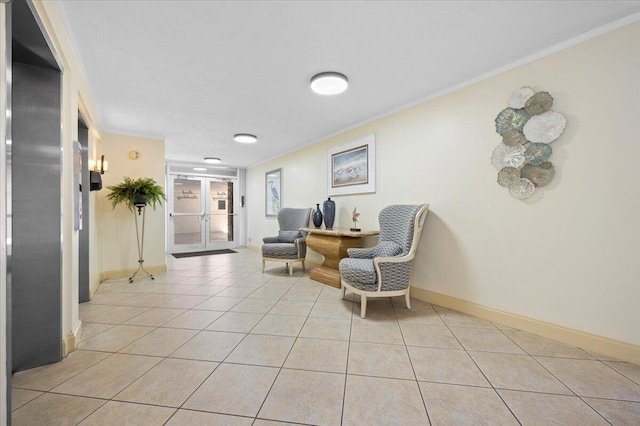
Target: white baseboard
{"x":125,"y":273}
{"x":591,"y":342}
{"x":71,"y":340}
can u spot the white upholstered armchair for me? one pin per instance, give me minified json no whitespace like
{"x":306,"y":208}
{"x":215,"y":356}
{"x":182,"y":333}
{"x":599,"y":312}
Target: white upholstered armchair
{"x":385,"y":270}
{"x":290,"y":245}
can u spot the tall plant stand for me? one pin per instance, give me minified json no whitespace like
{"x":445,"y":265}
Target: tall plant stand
{"x":140,"y":240}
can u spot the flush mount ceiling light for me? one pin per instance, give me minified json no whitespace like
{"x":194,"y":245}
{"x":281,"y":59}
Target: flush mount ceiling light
{"x":199,"y":169}
{"x":245,"y":138}
{"x":329,"y":83}
{"x":212,"y":160}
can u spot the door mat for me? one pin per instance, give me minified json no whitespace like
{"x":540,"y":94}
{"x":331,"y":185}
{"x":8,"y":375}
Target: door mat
{"x":202,"y":253}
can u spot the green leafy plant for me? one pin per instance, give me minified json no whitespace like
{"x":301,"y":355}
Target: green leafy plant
{"x":131,"y":192}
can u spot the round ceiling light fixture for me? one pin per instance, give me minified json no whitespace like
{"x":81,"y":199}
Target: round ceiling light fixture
{"x":199,"y":169}
{"x":329,"y":83}
{"x":212,"y":160}
{"x":245,"y":138}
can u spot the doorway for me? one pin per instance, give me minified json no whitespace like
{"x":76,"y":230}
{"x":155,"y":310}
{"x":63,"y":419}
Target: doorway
{"x":203,"y":213}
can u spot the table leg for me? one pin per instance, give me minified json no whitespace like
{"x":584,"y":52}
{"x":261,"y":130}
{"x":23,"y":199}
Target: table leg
{"x":333,"y":248}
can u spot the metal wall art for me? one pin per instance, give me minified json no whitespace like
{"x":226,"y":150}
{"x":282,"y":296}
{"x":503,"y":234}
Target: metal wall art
{"x":527,"y":126}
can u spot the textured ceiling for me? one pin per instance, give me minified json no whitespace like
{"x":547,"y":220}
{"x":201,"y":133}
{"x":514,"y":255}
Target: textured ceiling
{"x":195,"y":72}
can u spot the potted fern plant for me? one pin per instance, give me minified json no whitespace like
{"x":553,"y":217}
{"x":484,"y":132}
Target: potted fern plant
{"x":138,"y":194}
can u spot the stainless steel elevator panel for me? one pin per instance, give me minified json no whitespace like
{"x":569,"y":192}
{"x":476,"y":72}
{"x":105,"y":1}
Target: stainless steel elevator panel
{"x":36,"y":202}
{"x":83,"y":255}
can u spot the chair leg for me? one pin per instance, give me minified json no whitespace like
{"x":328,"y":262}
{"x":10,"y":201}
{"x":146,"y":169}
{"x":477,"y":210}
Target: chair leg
{"x":303,"y":266}
{"x":406,"y":298}
{"x":343,"y":290}
{"x":263,"y":262}
{"x":363,"y":306}
{"x":290,"y":268}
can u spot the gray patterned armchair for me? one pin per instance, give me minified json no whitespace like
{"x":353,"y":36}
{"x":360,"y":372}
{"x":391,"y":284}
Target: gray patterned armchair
{"x":290,"y":245}
{"x":385,"y":270}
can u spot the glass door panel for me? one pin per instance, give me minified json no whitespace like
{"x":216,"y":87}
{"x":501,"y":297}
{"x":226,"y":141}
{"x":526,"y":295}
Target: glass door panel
{"x":221,"y":214}
{"x":202,"y":214}
{"x":187,"y":217}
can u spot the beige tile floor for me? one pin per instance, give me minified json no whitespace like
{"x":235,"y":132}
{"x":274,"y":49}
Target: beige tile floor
{"x":214,"y":341}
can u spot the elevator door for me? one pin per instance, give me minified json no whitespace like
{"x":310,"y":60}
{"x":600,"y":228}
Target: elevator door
{"x":36,"y":217}
{"x":202,"y":214}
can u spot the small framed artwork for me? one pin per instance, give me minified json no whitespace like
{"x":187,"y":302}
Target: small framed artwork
{"x":351,"y":168}
{"x":273,"y":192}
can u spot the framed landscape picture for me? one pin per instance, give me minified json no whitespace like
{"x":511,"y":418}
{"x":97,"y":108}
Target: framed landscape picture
{"x":273,"y":192}
{"x":351,"y":168}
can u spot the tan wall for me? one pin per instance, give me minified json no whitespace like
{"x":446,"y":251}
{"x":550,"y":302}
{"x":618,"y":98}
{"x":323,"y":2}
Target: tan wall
{"x":75,"y":94}
{"x":568,"y":255}
{"x":120,"y":251}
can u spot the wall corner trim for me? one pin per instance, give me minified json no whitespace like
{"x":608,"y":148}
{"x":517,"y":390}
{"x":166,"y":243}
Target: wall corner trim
{"x":71,"y":340}
{"x":591,"y":342}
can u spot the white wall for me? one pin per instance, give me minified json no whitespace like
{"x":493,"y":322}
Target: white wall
{"x":568,"y":255}
{"x":120,"y":250}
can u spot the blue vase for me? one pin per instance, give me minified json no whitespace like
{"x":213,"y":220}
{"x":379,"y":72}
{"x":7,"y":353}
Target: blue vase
{"x":317,"y":216}
{"x":329,"y":208}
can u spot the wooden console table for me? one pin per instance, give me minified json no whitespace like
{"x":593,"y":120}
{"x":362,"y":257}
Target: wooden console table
{"x":333,"y":245}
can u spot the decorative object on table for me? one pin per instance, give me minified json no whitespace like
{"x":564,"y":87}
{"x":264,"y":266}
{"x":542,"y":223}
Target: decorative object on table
{"x":317,"y":217}
{"x":527,"y":126}
{"x":273,"y":192}
{"x":329,"y":207}
{"x":354,"y":218}
{"x":351,"y":168}
{"x":137,"y":194}
{"x":290,"y":245}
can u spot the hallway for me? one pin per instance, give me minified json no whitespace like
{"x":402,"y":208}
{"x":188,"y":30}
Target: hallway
{"x":215,"y":341}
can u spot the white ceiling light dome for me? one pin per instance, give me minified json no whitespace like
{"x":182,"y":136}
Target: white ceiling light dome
{"x":200,"y":169}
{"x":212,"y":160}
{"x":329,"y":83}
{"x":245,"y":138}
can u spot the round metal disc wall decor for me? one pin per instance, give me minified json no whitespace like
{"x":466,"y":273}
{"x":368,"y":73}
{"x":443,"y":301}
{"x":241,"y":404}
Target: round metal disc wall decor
{"x":520,"y":97}
{"x":522,"y":188}
{"x":527,"y":126}
{"x":538,"y":103}
{"x":545,"y":128}
{"x":511,"y":119}
{"x":508,"y":176}
{"x":513,"y":137}
{"x":537,"y":153}
{"x":540,"y":175}
{"x":508,"y":156}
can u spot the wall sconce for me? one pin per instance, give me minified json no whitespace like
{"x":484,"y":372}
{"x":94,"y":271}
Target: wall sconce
{"x":101,"y":165}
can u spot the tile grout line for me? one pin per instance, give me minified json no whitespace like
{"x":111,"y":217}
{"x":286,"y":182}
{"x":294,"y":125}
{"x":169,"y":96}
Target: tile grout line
{"x":290,"y":349}
{"x":406,"y":350}
{"x":478,"y":367}
{"x":346,"y":367}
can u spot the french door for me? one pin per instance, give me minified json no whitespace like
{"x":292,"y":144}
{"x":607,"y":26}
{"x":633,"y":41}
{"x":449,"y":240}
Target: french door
{"x":202,"y":214}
